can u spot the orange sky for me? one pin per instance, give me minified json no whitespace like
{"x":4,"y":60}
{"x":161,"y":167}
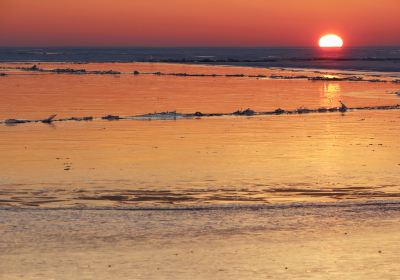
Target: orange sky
{"x":197,"y":22}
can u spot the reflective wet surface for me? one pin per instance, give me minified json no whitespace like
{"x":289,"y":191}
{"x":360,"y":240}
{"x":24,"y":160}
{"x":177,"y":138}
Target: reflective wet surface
{"x":259,"y":159}
{"x":307,"y":196}
{"x":345,"y":241}
{"x":229,"y":160}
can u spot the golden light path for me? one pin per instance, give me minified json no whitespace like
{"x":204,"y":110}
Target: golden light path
{"x":330,"y":41}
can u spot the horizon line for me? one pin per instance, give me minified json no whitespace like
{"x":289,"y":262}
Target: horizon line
{"x":191,"y":47}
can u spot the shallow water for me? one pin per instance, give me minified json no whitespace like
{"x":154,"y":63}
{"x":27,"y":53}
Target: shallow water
{"x":307,"y":196}
{"x":37,"y":95}
{"x":200,"y":162}
{"x":195,"y":162}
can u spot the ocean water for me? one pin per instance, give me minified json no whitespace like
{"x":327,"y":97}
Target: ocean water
{"x":302,"y":196}
{"x":193,"y":162}
{"x":367,"y":58}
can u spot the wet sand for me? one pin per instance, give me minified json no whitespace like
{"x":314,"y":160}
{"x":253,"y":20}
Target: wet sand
{"x":240,"y":197}
{"x":346,"y":242}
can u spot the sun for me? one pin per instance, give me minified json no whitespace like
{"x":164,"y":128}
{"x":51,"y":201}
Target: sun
{"x":330,"y":41}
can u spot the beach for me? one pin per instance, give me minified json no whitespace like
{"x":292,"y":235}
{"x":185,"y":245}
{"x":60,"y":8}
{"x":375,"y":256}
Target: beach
{"x":303,"y":194}
{"x":347,"y":241}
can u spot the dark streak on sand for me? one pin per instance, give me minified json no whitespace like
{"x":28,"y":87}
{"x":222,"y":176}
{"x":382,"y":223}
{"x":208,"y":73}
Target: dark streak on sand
{"x":119,"y":199}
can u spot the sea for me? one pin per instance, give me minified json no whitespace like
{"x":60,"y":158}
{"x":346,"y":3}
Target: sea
{"x":230,"y":196}
{"x":385,"y":59}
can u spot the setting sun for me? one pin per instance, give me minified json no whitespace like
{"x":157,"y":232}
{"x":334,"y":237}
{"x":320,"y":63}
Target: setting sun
{"x":330,"y":41}
{"x":228,"y":139}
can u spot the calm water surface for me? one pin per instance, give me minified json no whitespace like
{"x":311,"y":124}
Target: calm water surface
{"x":198,"y":162}
{"x":312,"y":196}
{"x":356,"y":58}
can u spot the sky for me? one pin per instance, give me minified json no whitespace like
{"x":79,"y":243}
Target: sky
{"x":171,"y":23}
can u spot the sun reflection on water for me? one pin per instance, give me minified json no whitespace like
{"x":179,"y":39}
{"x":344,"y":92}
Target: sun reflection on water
{"x":330,"y":94}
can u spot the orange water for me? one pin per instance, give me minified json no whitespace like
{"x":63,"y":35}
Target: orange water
{"x":321,"y":157}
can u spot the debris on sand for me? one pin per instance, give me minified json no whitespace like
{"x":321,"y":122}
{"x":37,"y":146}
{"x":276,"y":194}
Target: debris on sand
{"x":325,"y":77}
{"x":281,"y":77}
{"x":376,"y":81}
{"x":77,"y":119}
{"x":343,"y":108}
{"x":109,"y":72}
{"x":111,"y":118}
{"x":345,"y":79}
{"x":193,"y":75}
{"x":69,"y":71}
{"x":260,"y":76}
{"x":162,"y":116}
{"x":303,"y":111}
{"x":50,"y":119}
{"x":355,"y":78}
{"x":322,"y":110}
{"x":174,"y":115}
{"x":247,"y":112}
{"x":235,"y":75}
{"x":90,"y":118}
{"x":279,"y":111}
{"x":14,"y":121}
{"x":33,"y":68}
